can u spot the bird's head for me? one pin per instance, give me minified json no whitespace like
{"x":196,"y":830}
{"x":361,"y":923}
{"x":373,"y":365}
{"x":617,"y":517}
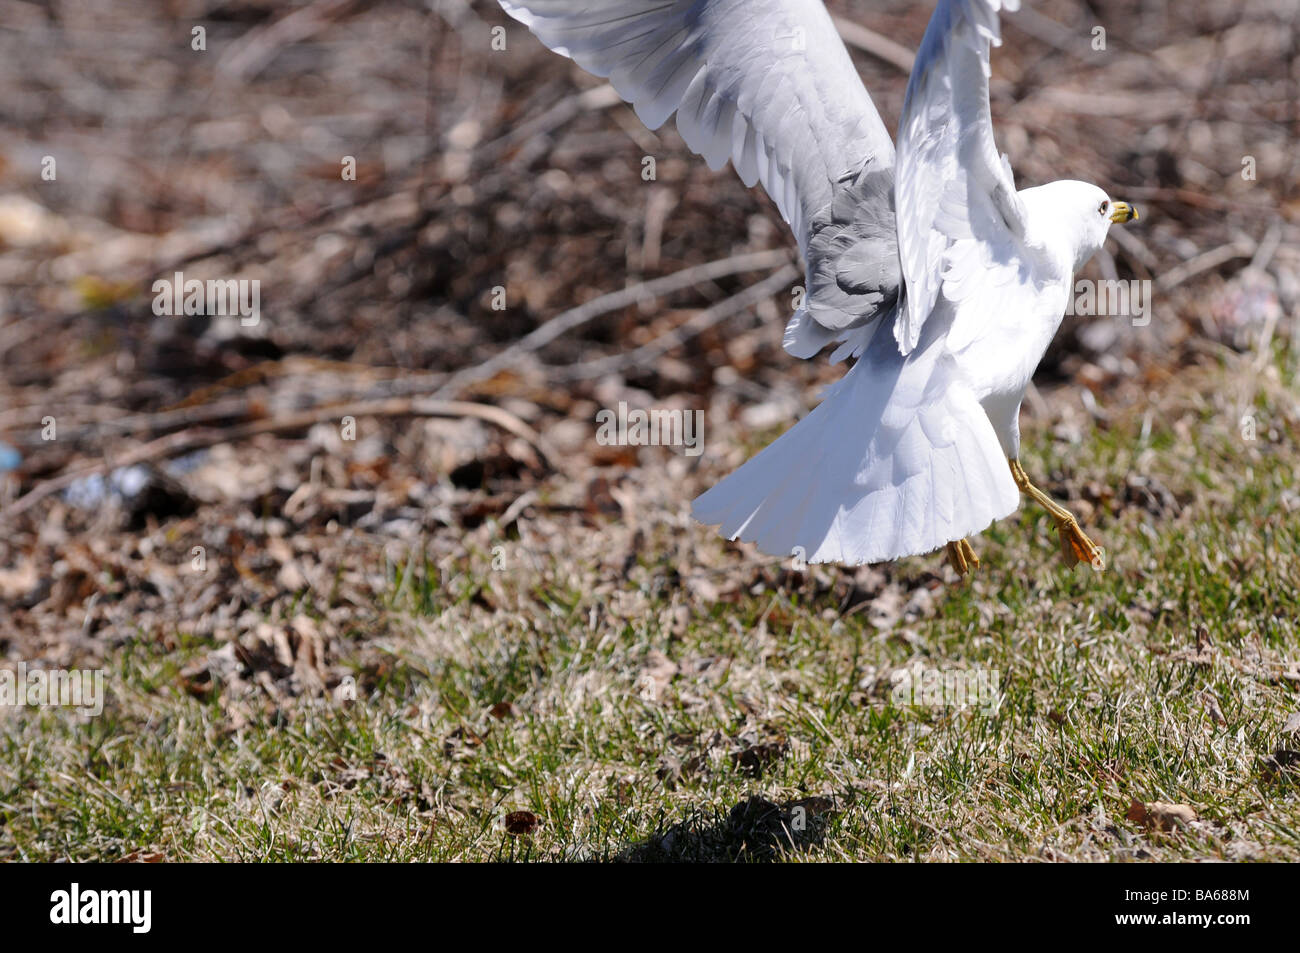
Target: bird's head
{"x":1088,"y":209}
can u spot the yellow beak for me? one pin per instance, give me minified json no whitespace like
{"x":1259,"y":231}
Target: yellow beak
{"x":1121,"y":212}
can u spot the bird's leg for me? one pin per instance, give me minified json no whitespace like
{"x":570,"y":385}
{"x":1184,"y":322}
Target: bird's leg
{"x":1076,"y":547}
{"x":962,"y":557}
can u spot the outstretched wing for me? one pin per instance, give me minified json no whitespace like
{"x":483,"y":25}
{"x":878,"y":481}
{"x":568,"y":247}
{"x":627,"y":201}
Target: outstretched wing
{"x":769,"y":85}
{"x":952,"y":185}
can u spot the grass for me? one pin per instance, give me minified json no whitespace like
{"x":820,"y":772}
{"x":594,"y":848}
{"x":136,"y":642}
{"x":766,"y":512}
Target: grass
{"x":666,"y":696}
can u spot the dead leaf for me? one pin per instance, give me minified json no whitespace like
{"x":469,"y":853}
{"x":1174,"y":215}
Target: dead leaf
{"x":1211,"y":706}
{"x":1159,"y":815}
{"x":521,"y":823}
{"x":657,"y":672}
{"x":460,"y":743}
{"x":1282,"y":761}
{"x":886,"y":609}
{"x":672,"y":769}
{"x":290,"y":578}
{"x":143,"y":857}
{"x":760,"y":751}
{"x":16,"y":583}
{"x":71,"y":589}
{"x":702,"y":588}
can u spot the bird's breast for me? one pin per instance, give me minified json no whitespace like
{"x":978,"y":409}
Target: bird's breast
{"x":1004,"y":352}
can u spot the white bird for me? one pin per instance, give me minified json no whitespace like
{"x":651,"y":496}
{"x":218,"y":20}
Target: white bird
{"x":929,"y":267}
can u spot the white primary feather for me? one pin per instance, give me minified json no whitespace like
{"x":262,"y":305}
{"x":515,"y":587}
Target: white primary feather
{"x":951,"y":182}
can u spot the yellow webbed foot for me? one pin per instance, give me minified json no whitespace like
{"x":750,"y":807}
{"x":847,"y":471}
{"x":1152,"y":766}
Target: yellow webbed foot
{"x":1076,"y":547}
{"x":962,"y":557}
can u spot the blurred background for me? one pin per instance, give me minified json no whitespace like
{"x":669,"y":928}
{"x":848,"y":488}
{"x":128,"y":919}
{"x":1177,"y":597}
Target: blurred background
{"x":168,"y":473}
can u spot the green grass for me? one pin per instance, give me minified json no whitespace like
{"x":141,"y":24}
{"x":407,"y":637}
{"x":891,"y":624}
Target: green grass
{"x":705,"y":703}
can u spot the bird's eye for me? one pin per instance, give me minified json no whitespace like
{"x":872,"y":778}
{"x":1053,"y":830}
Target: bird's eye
{"x":1101,"y":210}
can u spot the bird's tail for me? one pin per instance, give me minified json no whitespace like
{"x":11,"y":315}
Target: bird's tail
{"x":898,"y":459}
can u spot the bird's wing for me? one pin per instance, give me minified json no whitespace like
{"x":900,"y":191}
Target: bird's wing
{"x":952,"y":185}
{"x":769,"y":85}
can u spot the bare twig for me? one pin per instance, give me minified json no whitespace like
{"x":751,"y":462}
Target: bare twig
{"x":161,"y":421}
{"x":575,"y":317}
{"x":589,"y":100}
{"x":665,"y":342}
{"x":1260,"y":261}
{"x":516,"y":508}
{"x":1136,"y":248}
{"x":1191,"y":197}
{"x":1054,"y":34}
{"x":881,"y":47}
{"x":187,"y":441}
{"x":260,"y":45}
{"x":1205,"y":262}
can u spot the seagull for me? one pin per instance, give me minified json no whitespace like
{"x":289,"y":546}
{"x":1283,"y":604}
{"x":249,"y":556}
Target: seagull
{"x":924,"y":263}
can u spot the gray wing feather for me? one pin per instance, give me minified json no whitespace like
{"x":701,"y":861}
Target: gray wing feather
{"x":769,"y":85}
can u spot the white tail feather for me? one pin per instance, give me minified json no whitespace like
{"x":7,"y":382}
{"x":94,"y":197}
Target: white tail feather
{"x":898,"y":459}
